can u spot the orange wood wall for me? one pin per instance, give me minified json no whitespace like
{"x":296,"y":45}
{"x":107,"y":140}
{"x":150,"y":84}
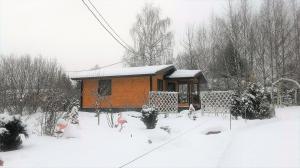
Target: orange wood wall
{"x":127,"y":92}
{"x":154,"y":82}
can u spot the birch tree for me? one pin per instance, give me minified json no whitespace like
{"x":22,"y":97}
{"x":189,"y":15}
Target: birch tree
{"x":152,"y":38}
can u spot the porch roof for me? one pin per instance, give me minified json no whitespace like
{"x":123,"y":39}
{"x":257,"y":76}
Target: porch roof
{"x":184,"y":74}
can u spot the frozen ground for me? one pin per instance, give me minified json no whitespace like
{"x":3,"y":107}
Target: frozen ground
{"x":258,"y":143}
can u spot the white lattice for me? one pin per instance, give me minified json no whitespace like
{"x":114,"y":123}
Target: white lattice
{"x":216,"y":101}
{"x":165,"y":102}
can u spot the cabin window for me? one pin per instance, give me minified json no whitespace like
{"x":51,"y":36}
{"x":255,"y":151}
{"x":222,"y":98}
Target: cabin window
{"x":183,"y":93}
{"x":104,"y":88}
{"x":160,"y":85}
{"x":171,"y":87}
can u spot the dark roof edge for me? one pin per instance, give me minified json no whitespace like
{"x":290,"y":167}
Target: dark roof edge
{"x":198,"y":74}
{"x":171,"y":67}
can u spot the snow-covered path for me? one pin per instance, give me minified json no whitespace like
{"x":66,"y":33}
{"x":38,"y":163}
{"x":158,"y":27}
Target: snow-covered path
{"x":257,"y":143}
{"x":273,"y":143}
{"x":267,"y":143}
{"x":194,"y":149}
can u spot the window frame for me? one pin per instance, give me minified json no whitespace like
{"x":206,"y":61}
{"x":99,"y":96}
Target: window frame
{"x":107,"y":90}
{"x":160,"y":85}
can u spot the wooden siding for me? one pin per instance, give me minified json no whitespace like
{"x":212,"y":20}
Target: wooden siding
{"x":154,"y":82}
{"x":127,"y":92}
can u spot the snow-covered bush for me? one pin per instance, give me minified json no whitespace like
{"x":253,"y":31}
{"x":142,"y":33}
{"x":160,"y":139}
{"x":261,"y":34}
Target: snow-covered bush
{"x":236,"y":107}
{"x":72,"y":102}
{"x":10,"y":129}
{"x":73,"y":115}
{"x":266,"y":111}
{"x":52,"y":111}
{"x":149,"y":117}
{"x":72,"y":111}
{"x":251,"y":100}
{"x":253,"y":104}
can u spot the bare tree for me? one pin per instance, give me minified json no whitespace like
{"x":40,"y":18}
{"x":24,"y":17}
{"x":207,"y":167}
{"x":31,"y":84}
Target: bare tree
{"x":26,"y":82}
{"x":188,"y":58}
{"x":153,"y":41}
{"x":196,"y":47}
{"x":266,"y":44}
{"x":261,"y":57}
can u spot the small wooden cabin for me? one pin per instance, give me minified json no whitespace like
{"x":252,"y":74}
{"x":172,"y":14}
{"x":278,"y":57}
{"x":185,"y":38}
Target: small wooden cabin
{"x":122,"y":89}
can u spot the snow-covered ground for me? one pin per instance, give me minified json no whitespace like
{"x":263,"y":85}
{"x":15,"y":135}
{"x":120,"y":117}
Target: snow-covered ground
{"x":257,"y":143}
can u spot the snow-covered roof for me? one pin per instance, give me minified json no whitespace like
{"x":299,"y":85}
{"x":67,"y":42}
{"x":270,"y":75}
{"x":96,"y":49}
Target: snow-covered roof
{"x":184,"y":74}
{"x":112,"y":72}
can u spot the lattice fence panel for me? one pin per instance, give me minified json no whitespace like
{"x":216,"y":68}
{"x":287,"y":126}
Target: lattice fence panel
{"x":165,"y":102}
{"x":216,"y":101}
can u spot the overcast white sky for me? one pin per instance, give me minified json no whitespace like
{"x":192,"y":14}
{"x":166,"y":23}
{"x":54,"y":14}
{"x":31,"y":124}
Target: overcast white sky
{"x":66,"y":30}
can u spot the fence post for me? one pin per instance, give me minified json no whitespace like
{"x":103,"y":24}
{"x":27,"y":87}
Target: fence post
{"x":230,"y":121}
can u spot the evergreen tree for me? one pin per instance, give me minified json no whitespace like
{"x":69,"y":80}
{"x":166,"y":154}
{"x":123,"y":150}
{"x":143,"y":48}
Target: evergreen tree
{"x":251,"y":101}
{"x":253,"y":104}
{"x":149,"y":117}
{"x":265,"y":110}
{"x":10,"y":129}
{"x":236,"y":107}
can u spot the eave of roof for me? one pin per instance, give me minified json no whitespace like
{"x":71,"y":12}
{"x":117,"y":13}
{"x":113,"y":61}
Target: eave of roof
{"x":121,"y":72}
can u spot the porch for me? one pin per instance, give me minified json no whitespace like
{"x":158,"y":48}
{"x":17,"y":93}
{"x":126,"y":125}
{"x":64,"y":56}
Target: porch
{"x":187,"y":83}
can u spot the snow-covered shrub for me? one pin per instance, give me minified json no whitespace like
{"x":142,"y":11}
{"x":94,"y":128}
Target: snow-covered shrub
{"x":251,"y":100}
{"x":236,"y":107}
{"x":10,"y":129}
{"x":72,"y":111}
{"x":149,"y":117}
{"x":73,"y":115}
{"x":253,"y":104}
{"x":52,"y":111}
{"x":265,"y":109}
{"x":72,"y":102}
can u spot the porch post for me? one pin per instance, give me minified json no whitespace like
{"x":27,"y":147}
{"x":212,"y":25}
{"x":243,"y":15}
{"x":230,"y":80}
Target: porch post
{"x":81,"y":94}
{"x":190,"y":87}
{"x":198,"y":90}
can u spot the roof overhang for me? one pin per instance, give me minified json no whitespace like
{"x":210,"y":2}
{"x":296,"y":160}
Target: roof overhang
{"x":122,"y":72}
{"x":187,"y":75}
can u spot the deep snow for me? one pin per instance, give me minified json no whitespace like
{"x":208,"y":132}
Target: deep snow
{"x":258,"y":143}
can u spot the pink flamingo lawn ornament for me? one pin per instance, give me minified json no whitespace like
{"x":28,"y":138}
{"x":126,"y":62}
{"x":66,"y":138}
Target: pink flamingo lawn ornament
{"x":1,"y":162}
{"x":120,"y":121}
{"x":60,"y":126}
